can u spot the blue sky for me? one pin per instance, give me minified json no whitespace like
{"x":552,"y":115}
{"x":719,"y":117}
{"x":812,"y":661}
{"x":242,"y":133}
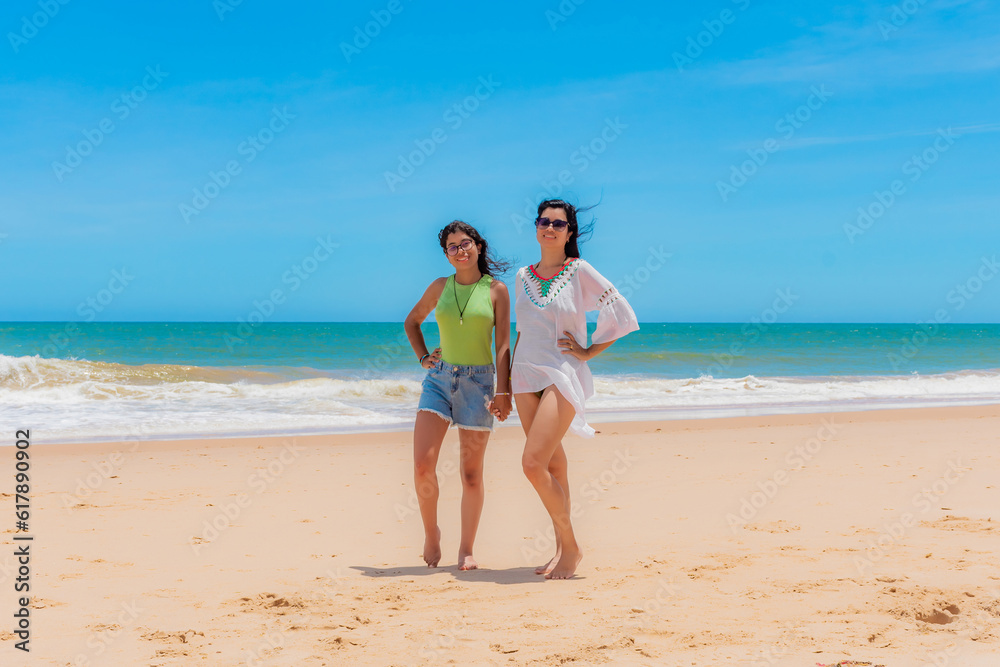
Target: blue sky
{"x":205,"y":150}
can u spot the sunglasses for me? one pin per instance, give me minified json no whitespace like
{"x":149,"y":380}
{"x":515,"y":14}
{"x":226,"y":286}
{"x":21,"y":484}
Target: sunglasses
{"x":557,"y":225}
{"x":465,"y":245}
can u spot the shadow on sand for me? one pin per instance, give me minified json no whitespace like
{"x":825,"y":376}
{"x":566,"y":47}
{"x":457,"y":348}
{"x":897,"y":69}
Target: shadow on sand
{"x":513,"y":575}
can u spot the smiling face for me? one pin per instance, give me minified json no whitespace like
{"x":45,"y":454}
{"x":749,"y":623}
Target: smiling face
{"x":549,"y":236}
{"x":464,"y":257}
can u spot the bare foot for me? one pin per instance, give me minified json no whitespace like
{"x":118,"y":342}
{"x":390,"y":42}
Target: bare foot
{"x":467,"y":562}
{"x":432,"y":549}
{"x":545,"y":569}
{"x":567,"y":564}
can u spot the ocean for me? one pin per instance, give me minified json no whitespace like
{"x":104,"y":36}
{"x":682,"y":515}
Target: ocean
{"x":80,"y":382}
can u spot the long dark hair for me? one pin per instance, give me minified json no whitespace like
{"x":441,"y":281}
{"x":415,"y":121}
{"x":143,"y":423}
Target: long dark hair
{"x":488,"y":264}
{"x":572,"y":249}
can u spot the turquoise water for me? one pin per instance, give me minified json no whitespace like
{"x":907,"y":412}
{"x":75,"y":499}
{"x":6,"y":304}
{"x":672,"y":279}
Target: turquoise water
{"x":100,"y":381}
{"x":656,"y":350}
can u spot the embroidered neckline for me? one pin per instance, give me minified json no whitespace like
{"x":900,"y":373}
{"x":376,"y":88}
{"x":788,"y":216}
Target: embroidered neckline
{"x":545,"y":284}
{"x":548,"y":289}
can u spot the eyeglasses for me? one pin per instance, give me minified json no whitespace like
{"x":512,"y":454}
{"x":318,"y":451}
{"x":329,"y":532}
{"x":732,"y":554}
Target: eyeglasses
{"x":465,"y":245}
{"x":557,"y":225}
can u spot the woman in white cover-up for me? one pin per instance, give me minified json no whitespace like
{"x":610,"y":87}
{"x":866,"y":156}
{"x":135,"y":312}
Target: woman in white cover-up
{"x":549,"y":373}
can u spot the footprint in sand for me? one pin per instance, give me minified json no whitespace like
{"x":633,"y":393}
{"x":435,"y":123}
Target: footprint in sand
{"x":173,"y":637}
{"x":271,"y":601}
{"x":780,"y":526}
{"x":963,"y":523}
{"x":939,"y":616}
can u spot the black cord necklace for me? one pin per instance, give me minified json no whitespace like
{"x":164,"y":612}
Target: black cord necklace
{"x":461,"y":310}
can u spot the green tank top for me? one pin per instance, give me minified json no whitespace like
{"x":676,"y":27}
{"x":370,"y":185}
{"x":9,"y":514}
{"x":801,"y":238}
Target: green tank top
{"x":466,"y":341}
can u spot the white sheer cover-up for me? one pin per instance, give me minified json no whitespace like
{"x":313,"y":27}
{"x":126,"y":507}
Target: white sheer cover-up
{"x":542,"y":320}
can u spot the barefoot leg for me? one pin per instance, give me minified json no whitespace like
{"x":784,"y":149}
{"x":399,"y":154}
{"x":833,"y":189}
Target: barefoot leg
{"x":558,"y":468}
{"x":473,"y":451}
{"x":551,"y":421}
{"x":428,"y":434}
{"x":527,"y":405}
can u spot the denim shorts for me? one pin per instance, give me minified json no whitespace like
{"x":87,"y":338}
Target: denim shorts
{"x":459,"y":394}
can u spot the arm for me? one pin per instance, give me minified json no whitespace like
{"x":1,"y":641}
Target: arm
{"x":570,"y":346}
{"x":615,"y":316}
{"x":416,"y":317}
{"x":501,"y":319}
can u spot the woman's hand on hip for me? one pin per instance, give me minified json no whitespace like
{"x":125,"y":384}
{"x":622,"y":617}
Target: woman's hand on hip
{"x":569,"y":345}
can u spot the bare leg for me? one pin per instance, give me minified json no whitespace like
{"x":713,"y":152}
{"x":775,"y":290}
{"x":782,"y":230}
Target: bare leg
{"x":551,"y":421}
{"x":527,"y":405}
{"x":473,"y":451}
{"x":558,"y":468}
{"x":428,"y":434}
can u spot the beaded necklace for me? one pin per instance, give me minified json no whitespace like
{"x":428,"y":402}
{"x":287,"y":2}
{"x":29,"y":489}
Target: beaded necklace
{"x":546,"y":283}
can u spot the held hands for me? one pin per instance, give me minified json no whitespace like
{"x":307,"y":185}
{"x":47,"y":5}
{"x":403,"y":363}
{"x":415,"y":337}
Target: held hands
{"x":500,"y":407}
{"x":570,"y":346}
{"x":434,"y":357}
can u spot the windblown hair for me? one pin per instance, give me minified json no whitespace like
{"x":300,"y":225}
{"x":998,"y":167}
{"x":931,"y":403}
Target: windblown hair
{"x":572,"y":247}
{"x":488,"y":264}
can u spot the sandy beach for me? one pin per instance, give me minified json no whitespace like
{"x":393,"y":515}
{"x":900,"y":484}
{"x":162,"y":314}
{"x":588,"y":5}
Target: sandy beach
{"x":778,"y":540}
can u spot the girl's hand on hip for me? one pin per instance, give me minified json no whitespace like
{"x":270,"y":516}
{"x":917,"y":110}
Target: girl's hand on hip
{"x":434,"y":357}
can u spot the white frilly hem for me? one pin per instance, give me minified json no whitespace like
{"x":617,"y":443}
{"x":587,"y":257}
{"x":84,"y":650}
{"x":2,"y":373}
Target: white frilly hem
{"x":571,"y":391}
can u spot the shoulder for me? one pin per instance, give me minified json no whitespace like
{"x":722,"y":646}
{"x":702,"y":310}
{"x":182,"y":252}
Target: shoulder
{"x":586,"y":268}
{"x":579,"y":265}
{"x":438,"y":285}
{"x":497,"y":286}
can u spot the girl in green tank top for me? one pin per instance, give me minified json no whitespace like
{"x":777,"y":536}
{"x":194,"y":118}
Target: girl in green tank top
{"x":472,"y":310}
